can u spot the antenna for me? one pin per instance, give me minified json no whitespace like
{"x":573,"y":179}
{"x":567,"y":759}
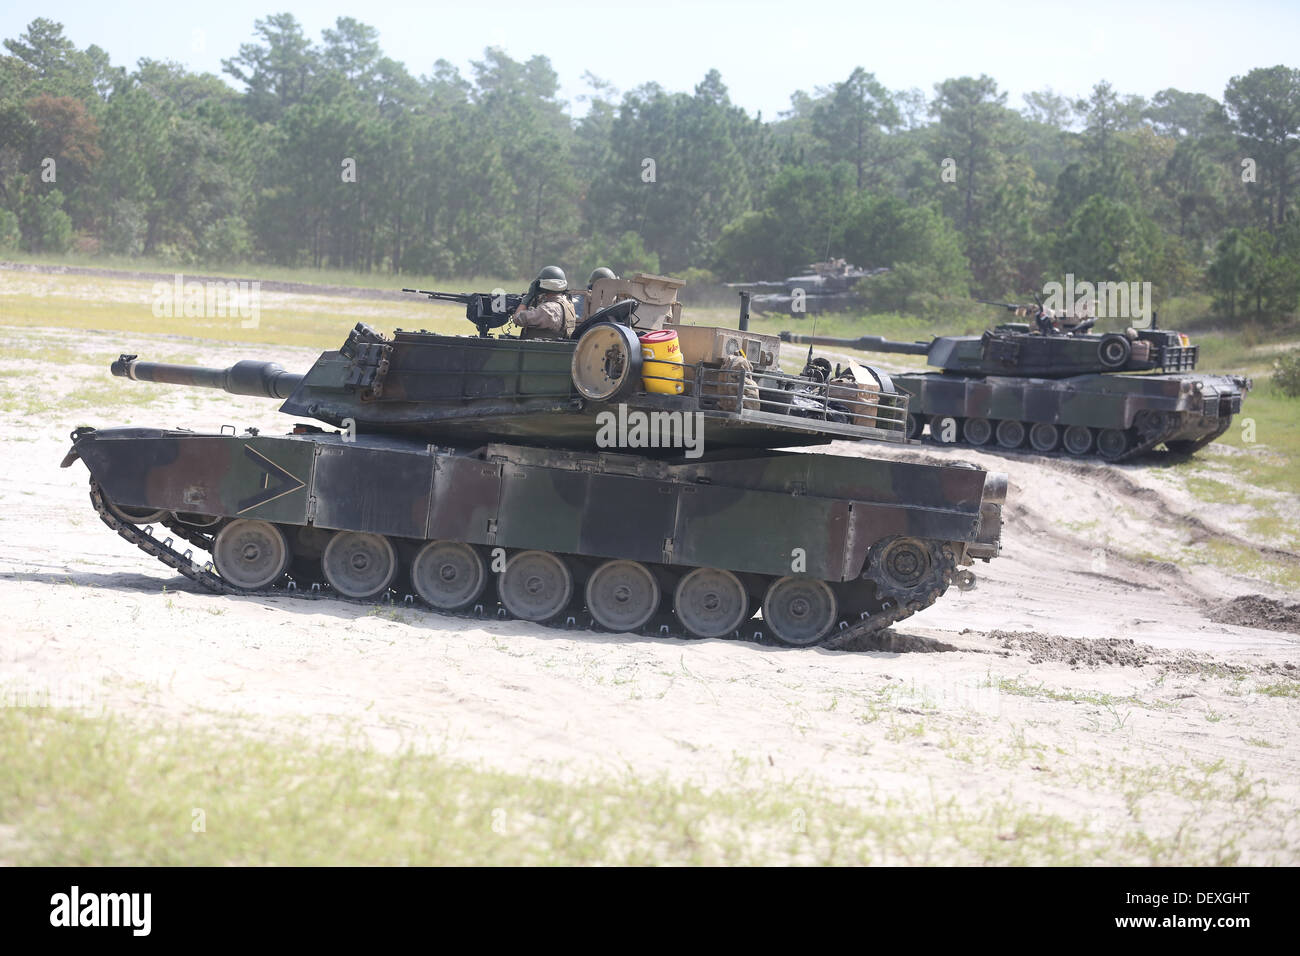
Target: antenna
{"x":808,"y":362}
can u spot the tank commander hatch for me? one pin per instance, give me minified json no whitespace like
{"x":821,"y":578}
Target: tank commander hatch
{"x":550,"y":312}
{"x":580,"y":301}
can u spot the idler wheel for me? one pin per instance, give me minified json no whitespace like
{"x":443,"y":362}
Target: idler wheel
{"x":711,"y":602}
{"x":622,"y":595}
{"x":977,"y":431}
{"x":903,"y":564}
{"x":1010,"y":433}
{"x":606,"y":362}
{"x":1044,"y":437}
{"x":448,"y":575}
{"x":1112,"y":443}
{"x":1078,"y":439}
{"x":359,"y":565}
{"x":800,"y":611}
{"x":250,"y":554}
{"x":535,"y":586}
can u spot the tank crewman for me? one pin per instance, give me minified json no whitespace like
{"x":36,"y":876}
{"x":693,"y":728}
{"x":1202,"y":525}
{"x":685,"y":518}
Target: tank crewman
{"x":580,"y":301}
{"x":549,"y":313}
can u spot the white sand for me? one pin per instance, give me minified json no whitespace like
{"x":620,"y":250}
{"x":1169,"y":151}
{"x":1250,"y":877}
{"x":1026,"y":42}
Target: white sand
{"x":99,"y":623}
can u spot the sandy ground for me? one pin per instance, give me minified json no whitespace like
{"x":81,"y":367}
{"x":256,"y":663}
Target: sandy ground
{"x":1075,"y":680}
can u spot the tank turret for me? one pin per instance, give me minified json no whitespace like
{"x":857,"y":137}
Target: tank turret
{"x":827,"y":287}
{"x":630,"y":476}
{"x":461,"y":389}
{"x":1014,"y":349}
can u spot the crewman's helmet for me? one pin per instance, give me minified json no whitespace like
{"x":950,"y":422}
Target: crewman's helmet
{"x":601,"y":273}
{"x":551,"y":279}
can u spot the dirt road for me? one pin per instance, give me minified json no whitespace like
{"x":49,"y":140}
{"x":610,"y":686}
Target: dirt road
{"x":1085,"y":678}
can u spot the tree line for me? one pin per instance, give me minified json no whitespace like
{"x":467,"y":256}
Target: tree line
{"x":330,"y":154}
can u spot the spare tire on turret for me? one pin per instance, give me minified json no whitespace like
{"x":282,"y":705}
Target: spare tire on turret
{"x":1113,"y":351}
{"x":607,"y":362}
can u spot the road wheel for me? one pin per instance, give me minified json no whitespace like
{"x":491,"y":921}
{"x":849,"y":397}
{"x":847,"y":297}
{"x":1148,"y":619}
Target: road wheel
{"x":1078,"y":439}
{"x":535,"y":586}
{"x":1044,"y":437}
{"x":945,"y":429}
{"x":711,"y":602}
{"x":915,"y":424}
{"x":622,"y":595}
{"x":1010,"y":433}
{"x":977,"y":431}
{"x":448,"y":575}
{"x":359,"y":565}
{"x":1112,"y":443}
{"x":800,"y":611}
{"x":250,"y":555}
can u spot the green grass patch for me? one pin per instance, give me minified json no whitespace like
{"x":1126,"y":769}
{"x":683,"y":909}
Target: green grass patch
{"x":1286,"y":688}
{"x":266,"y":273}
{"x":1017,"y":687}
{"x":1220,"y":492}
{"x":80,"y":790}
{"x":291,"y":319}
{"x":1245,"y":560}
{"x":1268,"y":429}
{"x":86,"y":398}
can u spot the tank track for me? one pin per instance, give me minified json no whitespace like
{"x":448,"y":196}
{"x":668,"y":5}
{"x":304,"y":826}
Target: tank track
{"x":894,"y":606}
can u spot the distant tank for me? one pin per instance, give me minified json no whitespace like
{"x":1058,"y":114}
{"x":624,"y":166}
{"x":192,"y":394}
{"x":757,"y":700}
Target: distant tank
{"x":1116,"y":395}
{"x":556,"y":481}
{"x":828,"y":287}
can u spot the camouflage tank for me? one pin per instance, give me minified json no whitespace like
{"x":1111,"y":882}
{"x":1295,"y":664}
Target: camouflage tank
{"x":828,"y":287}
{"x":496,"y":476}
{"x":1118,"y":395}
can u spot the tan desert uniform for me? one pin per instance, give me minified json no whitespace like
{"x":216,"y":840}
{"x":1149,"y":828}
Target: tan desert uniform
{"x":552,"y":318}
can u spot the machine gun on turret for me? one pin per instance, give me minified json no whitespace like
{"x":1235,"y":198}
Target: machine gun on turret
{"x":1015,"y":308}
{"x":487,"y":310}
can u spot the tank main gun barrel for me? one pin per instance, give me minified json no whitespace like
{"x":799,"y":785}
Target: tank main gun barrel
{"x":865,"y":343}
{"x":262,"y":379}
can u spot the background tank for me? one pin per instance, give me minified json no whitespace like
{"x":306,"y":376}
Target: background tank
{"x":1117,"y":395}
{"x":479,"y":475}
{"x":828,"y":287}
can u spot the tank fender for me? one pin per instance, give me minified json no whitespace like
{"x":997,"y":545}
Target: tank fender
{"x":76,"y":436}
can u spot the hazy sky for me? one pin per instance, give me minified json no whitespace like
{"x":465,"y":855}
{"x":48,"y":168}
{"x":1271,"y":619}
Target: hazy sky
{"x":765,"y":49}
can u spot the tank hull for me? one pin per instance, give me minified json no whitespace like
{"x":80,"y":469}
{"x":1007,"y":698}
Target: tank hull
{"x":1181,"y":411}
{"x":763,"y":516}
